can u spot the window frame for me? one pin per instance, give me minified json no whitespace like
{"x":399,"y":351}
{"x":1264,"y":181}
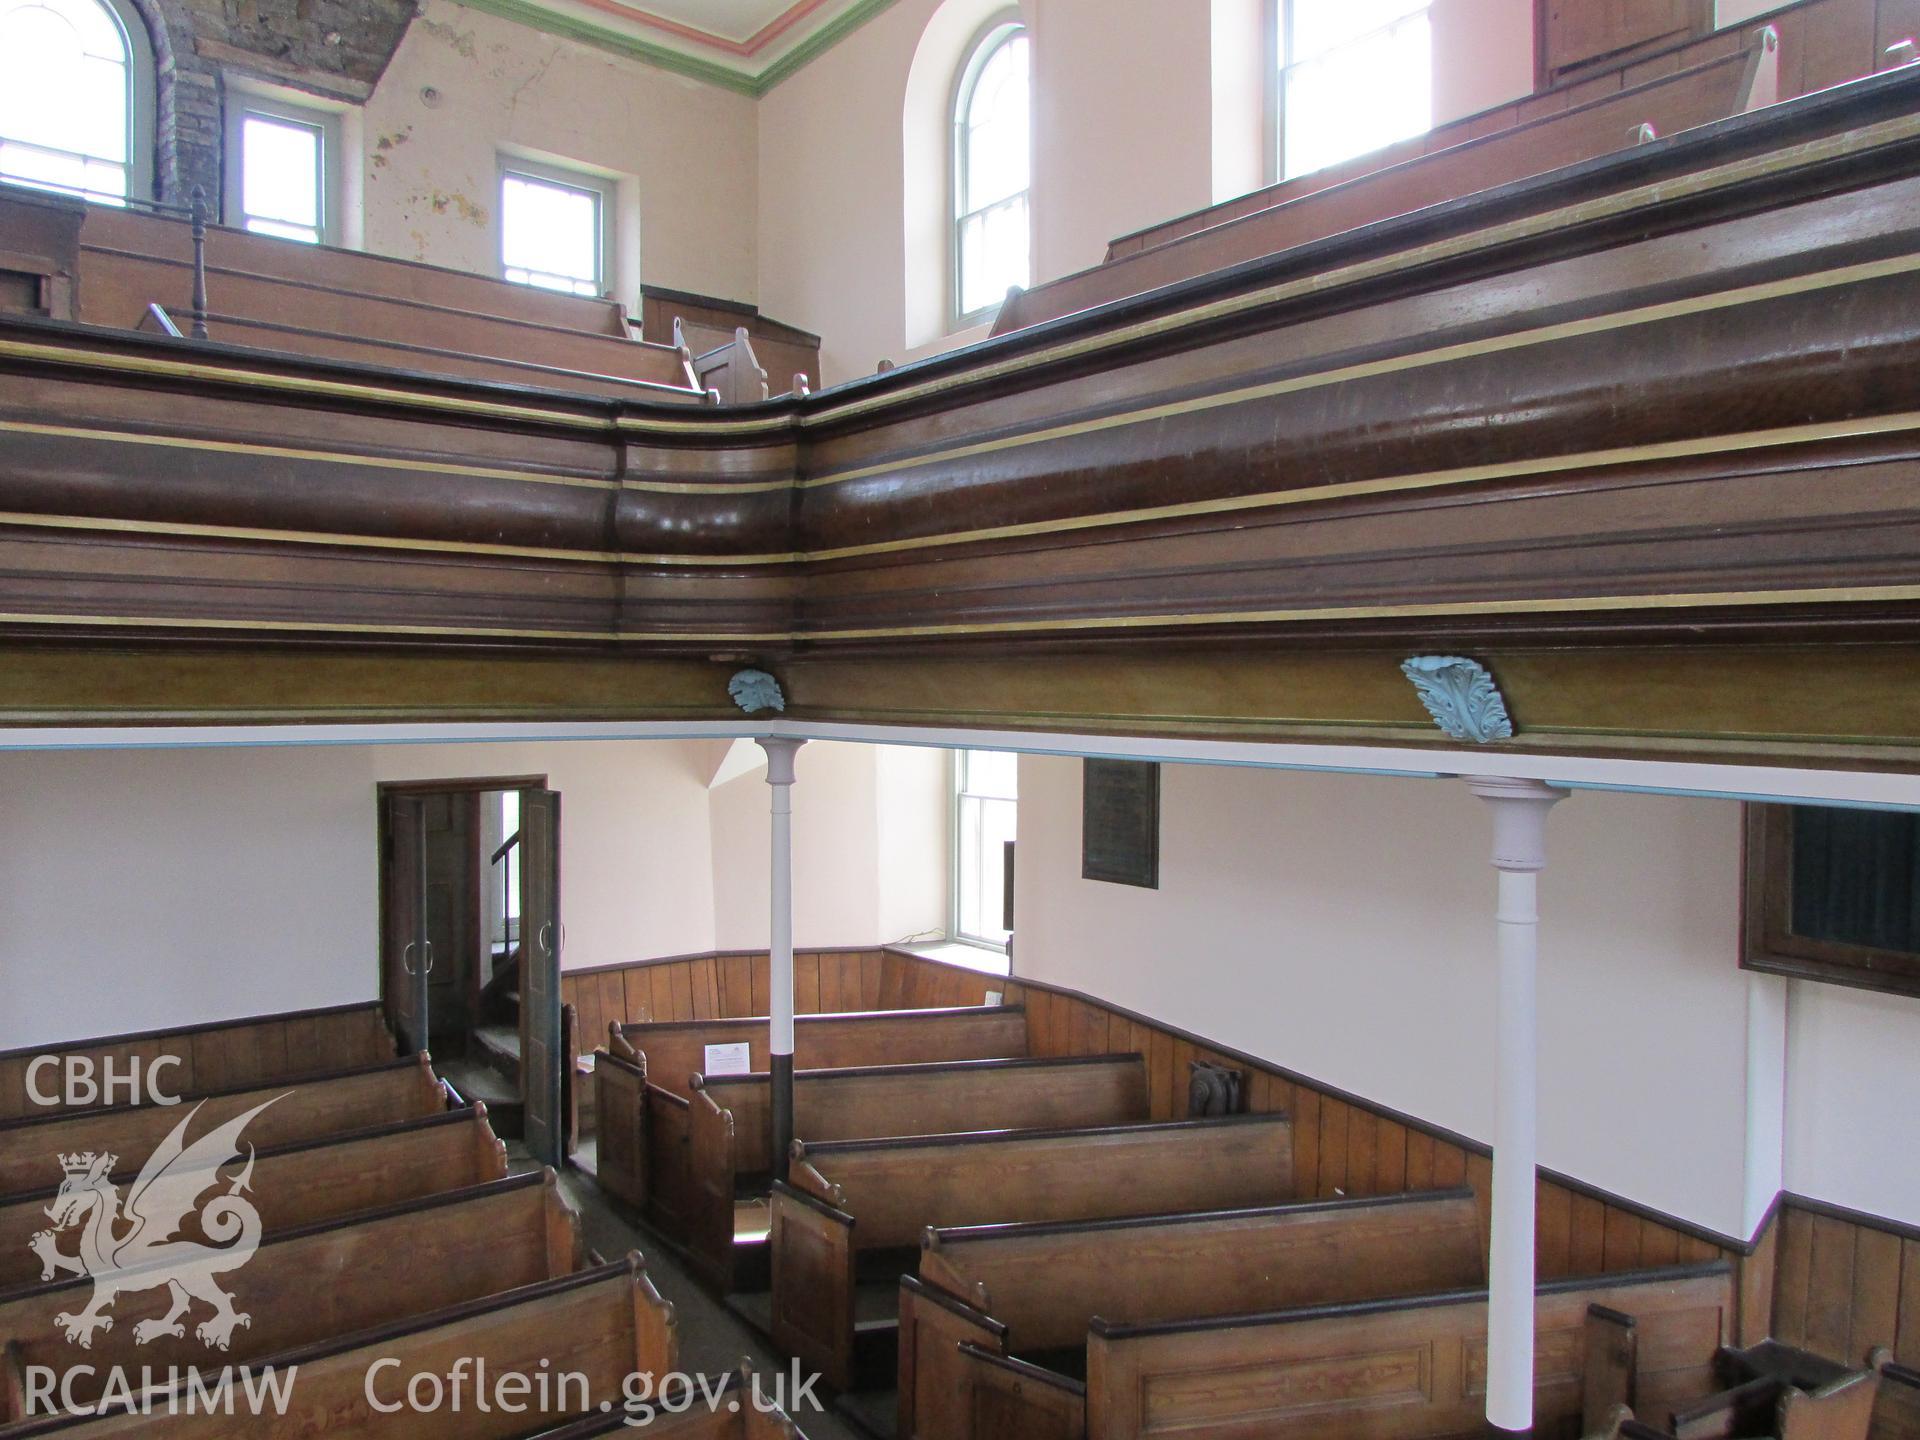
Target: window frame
{"x":985,"y":44}
{"x":244,"y":102}
{"x":1767,"y":941}
{"x":142,"y":114}
{"x":957,"y":778}
{"x":604,"y":189}
{"x":1278,"y":39}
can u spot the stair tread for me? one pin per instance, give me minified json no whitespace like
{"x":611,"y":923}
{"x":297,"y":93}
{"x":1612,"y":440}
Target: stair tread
{"x":503,"y":1040}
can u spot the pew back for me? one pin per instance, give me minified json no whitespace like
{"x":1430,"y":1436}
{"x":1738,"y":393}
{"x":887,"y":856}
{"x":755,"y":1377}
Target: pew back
{"x":311,"y":1181}
{"x":600,"y":1325}
{"x":1403,"y":1369}
{"x":898,"y":1187}
{"x":295,"y":1110}
{"x":1047,"y":1283}
{"x":675,"y":1050}
{"x":297,"y":1288}
{"x":201,"y":1058}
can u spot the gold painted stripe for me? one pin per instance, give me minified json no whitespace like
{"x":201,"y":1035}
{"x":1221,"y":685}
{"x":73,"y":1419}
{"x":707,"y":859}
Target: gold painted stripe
{"x":496,"y":632}
{"x":290,"y":452}
{"x":294,"y":384}
{"x":1837,"y":595}
{"x":1700,"y":182}
{"x":1193,"y":509}
{"x":1421,"y":359}
{"x":115,"y":525}
{"x":1834,"y":595}
{"x":1394,"y":484}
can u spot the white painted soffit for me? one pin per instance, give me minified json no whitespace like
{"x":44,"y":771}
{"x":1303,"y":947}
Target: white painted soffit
{"x":1878,"y":789}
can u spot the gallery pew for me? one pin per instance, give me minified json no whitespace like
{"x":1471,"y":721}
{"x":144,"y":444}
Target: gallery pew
{"x":643,"y":1080}
{"x":297,"y":1045}
{"x":605,"y":1325}
{"x":853,"y":1207}
{"x":729,"y":1143}
{"x":1395,"y":1369}
{"x":1309,"y":208}
{"x":1034,"y":1291}
{"x":335,"y":1104}
{"x":307,"y":1181}
{"x":303,"y":1286}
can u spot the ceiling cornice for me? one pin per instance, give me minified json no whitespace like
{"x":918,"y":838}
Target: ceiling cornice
{"x":749,"y":67}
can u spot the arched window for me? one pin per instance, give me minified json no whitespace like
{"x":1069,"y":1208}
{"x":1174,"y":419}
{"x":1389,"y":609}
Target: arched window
{"x":991,"y":161}
{"x":70,"y":71}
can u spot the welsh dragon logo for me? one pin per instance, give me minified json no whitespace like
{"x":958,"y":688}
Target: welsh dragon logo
{"x":132,"y":1246}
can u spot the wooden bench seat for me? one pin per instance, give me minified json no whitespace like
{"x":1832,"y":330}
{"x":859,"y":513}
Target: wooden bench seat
{"x":303,"y":1286}
{"x":857,"y":1201}
{"x":1394,"y":1369}
{"x":336,"y":1104}
{"x":603,"y":1325}
{"x":1317,"y":206}
{"x":643,"y":1080}
{"x":1034,"y":1291}
{"x":728,"y":1152}
{"x":308,"y":1181}
{"x":298,"y":1045}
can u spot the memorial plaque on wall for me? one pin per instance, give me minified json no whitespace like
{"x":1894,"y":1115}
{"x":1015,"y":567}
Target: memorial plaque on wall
{"x":1120,"y":822}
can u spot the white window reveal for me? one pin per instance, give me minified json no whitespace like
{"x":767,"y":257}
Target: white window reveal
{"x":554,"y":231}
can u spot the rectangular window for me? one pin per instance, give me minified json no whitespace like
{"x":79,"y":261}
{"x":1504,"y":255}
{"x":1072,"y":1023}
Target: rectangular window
{"x":281,"y":164}
{"x":1834,"y":894}
{"x":986,"y":795}
{"x":1353,"y":76}
{"x":554,"y":229}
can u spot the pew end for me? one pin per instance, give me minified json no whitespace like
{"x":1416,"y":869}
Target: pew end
{"x":1004,"y":1397}
{"x":1611,"y":1342}
{"x":933,"y":1327}
{"x":814,"y":1283}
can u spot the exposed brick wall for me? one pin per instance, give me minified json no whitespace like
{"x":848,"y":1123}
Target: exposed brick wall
{"x":337,"y":48}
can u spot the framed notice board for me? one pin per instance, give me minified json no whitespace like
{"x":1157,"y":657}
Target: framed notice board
{"x":1120,"y":822}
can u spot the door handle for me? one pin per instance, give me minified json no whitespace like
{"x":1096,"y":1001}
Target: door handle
{"x":426,"y":949}
{"x":406,"y":962}
{"x":544,"y":938}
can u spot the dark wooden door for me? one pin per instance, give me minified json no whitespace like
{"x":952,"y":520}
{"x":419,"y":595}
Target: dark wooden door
{"x":541,"y":941}
{"x":403,"y":948}
{"x":453,"y":905}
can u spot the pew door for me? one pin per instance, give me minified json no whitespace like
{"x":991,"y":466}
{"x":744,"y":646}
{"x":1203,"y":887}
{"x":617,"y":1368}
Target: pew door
{"x":542,"y":940}
{"x":404,"y":948}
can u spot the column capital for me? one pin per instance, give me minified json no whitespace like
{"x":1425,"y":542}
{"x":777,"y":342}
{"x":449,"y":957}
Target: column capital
{"x":780,"y":752}
{"x":1520,"y":809}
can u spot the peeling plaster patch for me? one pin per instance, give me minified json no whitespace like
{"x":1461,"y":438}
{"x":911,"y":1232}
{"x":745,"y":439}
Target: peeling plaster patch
{"x":458,"y":40}
{"x":441,"y":203}
{"x":389,"y":142}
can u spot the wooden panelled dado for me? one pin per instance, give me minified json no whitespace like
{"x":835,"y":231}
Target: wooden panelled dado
{"x":221,"y":1056}
{"x":719,"y":986}
{"x":1844,"y":1283}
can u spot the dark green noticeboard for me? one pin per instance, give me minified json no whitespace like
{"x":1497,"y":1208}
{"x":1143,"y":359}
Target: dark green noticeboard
{"x":1120,"y":822}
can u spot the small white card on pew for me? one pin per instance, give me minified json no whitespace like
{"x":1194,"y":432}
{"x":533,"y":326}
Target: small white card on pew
{"x":727,"y":1060}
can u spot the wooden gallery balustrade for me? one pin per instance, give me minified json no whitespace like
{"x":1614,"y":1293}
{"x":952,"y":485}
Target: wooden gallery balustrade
{"x":1638,"y":434}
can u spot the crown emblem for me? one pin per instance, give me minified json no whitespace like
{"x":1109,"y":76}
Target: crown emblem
{"x":82,"y":1162}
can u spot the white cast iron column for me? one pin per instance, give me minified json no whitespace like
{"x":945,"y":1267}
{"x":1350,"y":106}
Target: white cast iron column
{"x":780,"y":755}
{"x":1519,"y":853}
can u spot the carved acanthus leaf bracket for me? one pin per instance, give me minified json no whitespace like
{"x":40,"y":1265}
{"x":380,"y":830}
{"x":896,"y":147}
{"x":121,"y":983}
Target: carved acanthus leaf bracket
{"x":1461,"y":697}
{"x":755,"y":691}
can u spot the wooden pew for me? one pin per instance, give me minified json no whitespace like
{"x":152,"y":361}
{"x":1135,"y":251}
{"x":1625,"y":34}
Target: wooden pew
{"x":675,"y":1050}
{"x":300,"y":1287}
{"x":308,"y":1181}
{"x":643,"y":1080}
{"x":729,"y":1143}
{"x":1397,"y":1369}
{"x":257,"y":1051}
{"x":1032,"y":1290}
{"x":603,"y":1325}
{"x":300,"y":1110}
{"x":1896,"y":1409}
{"x":1311,"y":208}
{"x":852,"y":1205}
